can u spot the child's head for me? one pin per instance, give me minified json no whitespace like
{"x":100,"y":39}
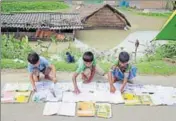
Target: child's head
{"x":88,"y":58}
{"x":33,"y":58}
{"x":67,"y":53}
{"x":123,"y":58}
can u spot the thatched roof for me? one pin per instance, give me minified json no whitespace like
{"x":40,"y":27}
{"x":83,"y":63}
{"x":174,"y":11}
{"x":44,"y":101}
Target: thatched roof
{"x":89,"y":10}
{"x":56,"y":21}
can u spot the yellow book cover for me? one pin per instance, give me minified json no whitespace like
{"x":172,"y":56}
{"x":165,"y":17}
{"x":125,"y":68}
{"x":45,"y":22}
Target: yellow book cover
{"x":103,"y":110}
{"x":131,"y":99}
{"x":22,"y":97}
{"x":86,"y":109}
{"x":145,"y":100}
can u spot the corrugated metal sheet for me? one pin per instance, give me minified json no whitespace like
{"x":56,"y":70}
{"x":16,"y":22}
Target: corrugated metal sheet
{"x":42,"y":20}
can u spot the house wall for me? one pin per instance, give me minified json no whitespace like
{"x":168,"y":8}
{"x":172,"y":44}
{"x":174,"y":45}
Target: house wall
{"x":110,"y":2}
{"x":105,"y":18}
{"x":32,"y":35}
{"x":160,"y":4}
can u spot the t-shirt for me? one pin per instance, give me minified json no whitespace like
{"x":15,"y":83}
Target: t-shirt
{"x":82,"y":66}
{"x":43,"y":64}
{"x":125,"y":69}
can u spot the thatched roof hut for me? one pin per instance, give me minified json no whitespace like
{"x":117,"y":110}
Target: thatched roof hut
{"x":102,"y":16}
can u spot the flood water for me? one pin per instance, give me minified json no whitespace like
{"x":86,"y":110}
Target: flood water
{"x":103,"y":39}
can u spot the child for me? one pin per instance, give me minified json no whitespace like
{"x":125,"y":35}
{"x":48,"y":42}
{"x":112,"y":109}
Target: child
{"x":121,"y":71}
{"x":87,"y":67}
{"x":39,"y":64}
{"x":70,"y":58}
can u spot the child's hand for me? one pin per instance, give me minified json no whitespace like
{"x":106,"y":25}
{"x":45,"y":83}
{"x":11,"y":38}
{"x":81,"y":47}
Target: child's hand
{"x":76,"y":91}
{"x":122,"y":89}
{"x":54,"y":80}
{"x":112,"y":89}
{"x":34,"y":89}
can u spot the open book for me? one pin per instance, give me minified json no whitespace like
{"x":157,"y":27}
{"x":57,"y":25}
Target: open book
{"x":23,"y":86}
{"x":59,"y":108}
{"x":103,"y":110}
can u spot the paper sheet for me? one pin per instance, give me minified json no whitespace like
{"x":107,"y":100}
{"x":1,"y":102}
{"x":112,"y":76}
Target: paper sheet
{"x":87,"y":87}
{"x":101,"y":96}
{"x":8,"y":97}
{"x":64,"y":86}
{"x":43,"y":85}
{"x":24,"y":87}
{"x":40,"y":96}
{"x":51,"y":108}
{"x":103,"y":87}
{"x":67,"y":109}
{"x":10,"y":87}
{"x":71,"y":97}
{"x":54,"y":95}
{"x":18,"y":86}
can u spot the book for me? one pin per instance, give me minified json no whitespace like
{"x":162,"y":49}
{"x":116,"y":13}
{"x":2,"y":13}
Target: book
{"x":103,"y":110}
{"x":102,"y":96}
{"x":7,"y":97}
{"x":145,"y":99}
{"x":67,"y":109}
{"x":59,"y":108}
{"x":51,"y":108}
{"x":22,"y":97}
{"x":24,"y":86}
{"x":131,"y":99}
{"x":85,"y":109}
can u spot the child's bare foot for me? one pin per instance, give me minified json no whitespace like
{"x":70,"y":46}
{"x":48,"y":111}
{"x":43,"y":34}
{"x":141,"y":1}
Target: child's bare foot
{"x":86,"y":82}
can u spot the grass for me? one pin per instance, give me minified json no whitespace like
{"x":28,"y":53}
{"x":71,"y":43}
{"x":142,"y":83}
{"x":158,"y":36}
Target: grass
{"x":153,"y":68}
{"x":156,"y":67}
{"x":63,"y":66}
{"x":139,"y":12}
{"x":8,"y":7}
{"x":10,"y":64}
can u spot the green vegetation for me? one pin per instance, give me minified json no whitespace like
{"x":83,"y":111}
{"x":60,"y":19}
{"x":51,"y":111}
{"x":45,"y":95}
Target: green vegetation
{"x":33,"y":6}
{"x":164,"y":51}
{"x":156,"y":67}
{"x":31,"y":0}
{"x":139,"y":12}
{"x":14,"y":54}
{"x":11,"y":64}
{"x":12,"y":48}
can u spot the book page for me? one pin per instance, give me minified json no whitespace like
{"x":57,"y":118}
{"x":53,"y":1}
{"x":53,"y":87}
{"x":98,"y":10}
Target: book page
{"x":67,"y":109}
{"x":51,"y":108}
{"x":103,"y":110}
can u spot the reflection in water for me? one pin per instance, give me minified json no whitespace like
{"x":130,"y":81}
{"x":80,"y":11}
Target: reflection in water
{"x":102,"y":39}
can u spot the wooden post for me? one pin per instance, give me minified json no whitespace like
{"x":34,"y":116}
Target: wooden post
{"x":7,"y":33}
{"x":136,"y":46}
{"x":17,"y":32}
{"x":73,"y":34}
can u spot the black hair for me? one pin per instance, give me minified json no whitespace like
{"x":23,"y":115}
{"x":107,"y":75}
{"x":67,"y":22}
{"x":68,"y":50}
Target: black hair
{"x":33,"y":58}
{"x":88,"y":56}
{"x":124,"y":57}
{"x":67,"y":53}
